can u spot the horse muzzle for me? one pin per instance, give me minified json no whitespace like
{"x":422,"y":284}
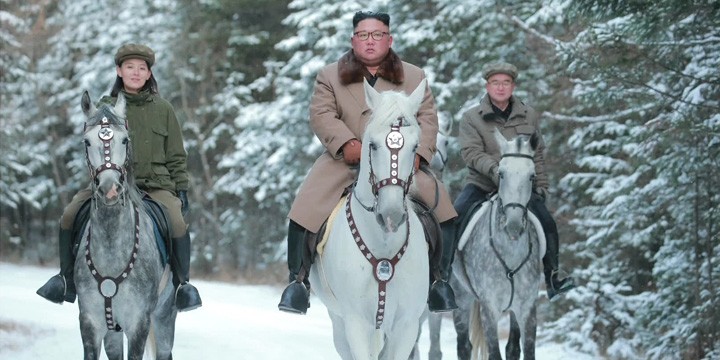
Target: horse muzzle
{"x":391,"y":223}
{"x":109,"y":192}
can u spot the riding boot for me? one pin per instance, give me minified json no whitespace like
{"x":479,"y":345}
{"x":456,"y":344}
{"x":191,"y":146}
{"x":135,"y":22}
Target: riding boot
{"x":554,"y":285}
{"x":442,"y":297}
{"x":187,"y":296}
{"x":61,"y":287}
{"x":296,"y":296}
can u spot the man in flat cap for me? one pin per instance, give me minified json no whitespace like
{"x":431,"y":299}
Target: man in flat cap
{"x":500,"y":109}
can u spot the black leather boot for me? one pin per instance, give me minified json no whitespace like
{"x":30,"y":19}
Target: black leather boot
{"x":61,"y":287}
{"x":296,"y":296}
{"x":554,"y":285}
{"x":187,"y":296}
{"x":441,"y":297}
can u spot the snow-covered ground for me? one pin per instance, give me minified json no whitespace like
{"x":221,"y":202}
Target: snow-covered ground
{"x":235,"y":322}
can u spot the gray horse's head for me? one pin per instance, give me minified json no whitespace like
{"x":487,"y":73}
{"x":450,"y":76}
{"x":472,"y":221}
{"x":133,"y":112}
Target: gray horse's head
{"x":517,"y":174}
{"x":107,"y":148}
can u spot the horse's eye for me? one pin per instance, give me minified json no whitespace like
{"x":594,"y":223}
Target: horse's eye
{"x":87,"y":142}
{"x":532,"y":177}
{"x":125,"y":141}
{"x":373,"y":146}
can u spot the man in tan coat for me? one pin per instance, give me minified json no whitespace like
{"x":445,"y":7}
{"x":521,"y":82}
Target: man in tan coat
{"x":500,"y":109}
{"x":338,"y":114}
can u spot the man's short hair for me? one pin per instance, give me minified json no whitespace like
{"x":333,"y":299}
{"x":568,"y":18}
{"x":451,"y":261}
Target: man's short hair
{"x":362,"y":15}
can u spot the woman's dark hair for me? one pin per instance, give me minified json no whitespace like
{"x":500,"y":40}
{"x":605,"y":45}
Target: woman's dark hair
{"x":362,"y":15}
{"x":150,"y":85}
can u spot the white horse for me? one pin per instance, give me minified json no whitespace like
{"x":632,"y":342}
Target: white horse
{"x":373,"y":273}
{"x":499,"y":258}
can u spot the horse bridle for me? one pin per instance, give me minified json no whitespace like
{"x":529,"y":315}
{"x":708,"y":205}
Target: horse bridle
{"x":510,"y":273}
{"x":394,"y":141}
{"x":503,"y":207}
{"x":383,"y":269}
{"x":106,"y":134}
{"x":108,"y":286}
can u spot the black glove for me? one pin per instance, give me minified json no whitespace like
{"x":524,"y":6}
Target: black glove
{"x":182,"y":194}
{"x":541,"y":193}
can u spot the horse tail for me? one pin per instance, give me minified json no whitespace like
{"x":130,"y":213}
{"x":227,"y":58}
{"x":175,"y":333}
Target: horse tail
{"x":477,"y":333}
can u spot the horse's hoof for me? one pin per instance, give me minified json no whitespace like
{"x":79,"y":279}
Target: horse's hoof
{"x":53,"y":290}
{"x":295,"y":299}
{"x":441,"y":297}
{"x":187,"y":298}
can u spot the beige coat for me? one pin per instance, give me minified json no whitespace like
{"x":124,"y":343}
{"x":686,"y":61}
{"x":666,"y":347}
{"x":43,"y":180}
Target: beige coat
{"x":338,"y":113}
{"x":480,"y":151}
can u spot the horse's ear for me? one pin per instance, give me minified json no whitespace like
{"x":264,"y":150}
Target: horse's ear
{"x":418,"y":94}
{"x":500,"y":139}
{"x":120,"y":105}
{"x":445,"y":127}
{"x":371,"y":95}
{"x":86,"y":104}
{"x":534,"y":140}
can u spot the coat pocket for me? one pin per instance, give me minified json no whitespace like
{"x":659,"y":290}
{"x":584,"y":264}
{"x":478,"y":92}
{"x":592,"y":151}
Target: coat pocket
{"x":159,"y":144}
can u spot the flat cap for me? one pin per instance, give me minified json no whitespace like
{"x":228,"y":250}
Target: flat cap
{"x":135,"y":51}
{"x":500,"y":68}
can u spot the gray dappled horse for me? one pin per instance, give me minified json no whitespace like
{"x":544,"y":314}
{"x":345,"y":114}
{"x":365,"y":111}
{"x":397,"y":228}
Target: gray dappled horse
{"x":372,"y":274}
{"x":462,"y":297}
{"x":499,"y":258}
{"x":123,"y":286}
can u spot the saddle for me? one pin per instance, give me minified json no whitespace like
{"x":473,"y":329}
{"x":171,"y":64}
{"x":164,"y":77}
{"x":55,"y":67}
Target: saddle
{"x":156,"y":211}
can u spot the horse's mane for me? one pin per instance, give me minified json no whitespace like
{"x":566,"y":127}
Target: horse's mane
{"x":105,"y":111}
{"x":393,"y":105}
{"x":522,"y":145}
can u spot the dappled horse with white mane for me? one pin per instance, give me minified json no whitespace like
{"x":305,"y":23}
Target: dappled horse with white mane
{"x":499,"y":258}
{"x":372,"y":274}
{"x":122,"y":277}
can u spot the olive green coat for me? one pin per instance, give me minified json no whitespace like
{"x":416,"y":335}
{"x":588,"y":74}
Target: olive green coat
{"x":338,"y":113}
{"x":160,"y":160}
{"x":480,"y":151}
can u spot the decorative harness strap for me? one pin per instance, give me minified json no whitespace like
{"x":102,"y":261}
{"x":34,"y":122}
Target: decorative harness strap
{"x":383,"y":269}
{"x":108,"y":286}
{"x":105,"y":134}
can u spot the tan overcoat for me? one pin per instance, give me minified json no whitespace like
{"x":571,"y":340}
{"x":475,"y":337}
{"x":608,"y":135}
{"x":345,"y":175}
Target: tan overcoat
{"x":338,"y":113}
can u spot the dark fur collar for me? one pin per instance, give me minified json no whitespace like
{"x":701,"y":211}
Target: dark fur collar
{"x":350,"y":70}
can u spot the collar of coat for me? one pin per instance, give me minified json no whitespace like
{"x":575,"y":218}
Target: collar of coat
{"x":351,"y":70}
{"x":488,"y":114}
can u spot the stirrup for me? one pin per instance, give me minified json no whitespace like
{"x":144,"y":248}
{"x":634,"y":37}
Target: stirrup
{"x":295,"y":299}
{"x":441,"y":297}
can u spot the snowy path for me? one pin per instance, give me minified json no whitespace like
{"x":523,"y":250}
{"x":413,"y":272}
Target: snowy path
{"x":235,"y":322}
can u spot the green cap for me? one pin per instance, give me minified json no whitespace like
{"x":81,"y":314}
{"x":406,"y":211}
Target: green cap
{"x":135,"y":51}
{"x":500,"y":68}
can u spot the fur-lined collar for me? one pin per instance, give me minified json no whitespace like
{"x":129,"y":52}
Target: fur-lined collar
{"x":350,"y":70}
